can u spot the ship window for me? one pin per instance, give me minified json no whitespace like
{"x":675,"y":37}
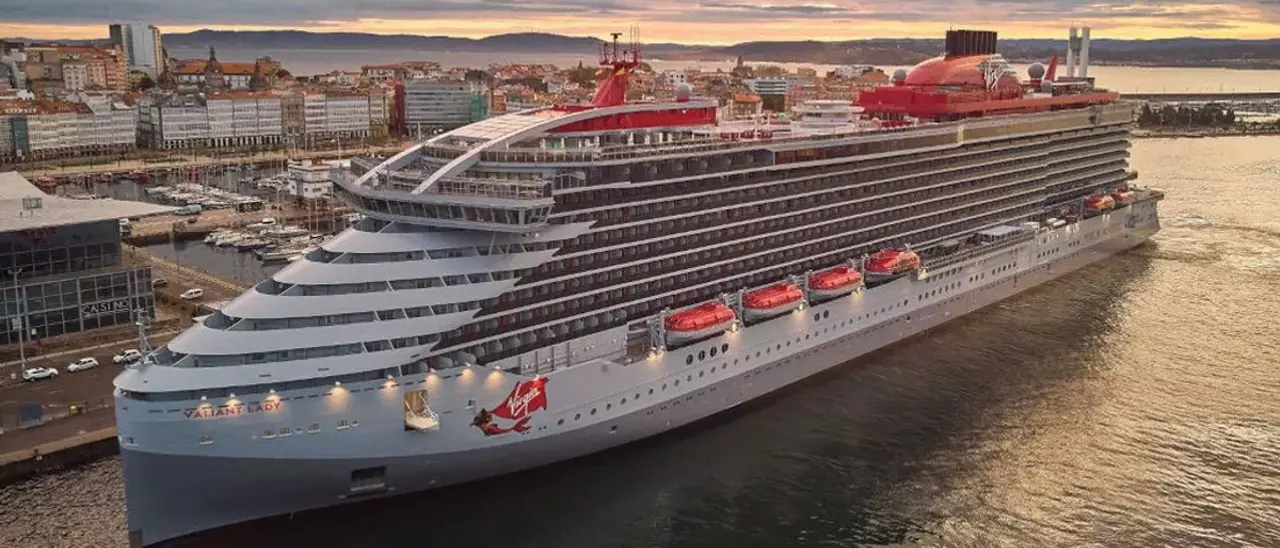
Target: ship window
{"x":724,"y":347}
{"x":702,"y":355}
{"x":577,"y":416}
{"x":689,"y":359}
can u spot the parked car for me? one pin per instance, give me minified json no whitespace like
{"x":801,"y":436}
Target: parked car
{"x":128,"y":356}
{"x":192,"y":294}
{"x":39,"y":373}
{"x":159,"y":282}
{"x":82,"y":364}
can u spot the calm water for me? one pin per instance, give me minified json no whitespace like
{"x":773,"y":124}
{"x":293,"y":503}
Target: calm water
{"x":1124,"y":79}
{"x":1131,"y":404}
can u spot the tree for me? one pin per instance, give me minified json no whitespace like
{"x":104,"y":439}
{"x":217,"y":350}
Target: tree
{"x":146,"y":83}
{"x":583,"y":76}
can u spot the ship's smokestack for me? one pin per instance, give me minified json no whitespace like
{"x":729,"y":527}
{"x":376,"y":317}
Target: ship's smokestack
{"x":1084,"y":52}
{"x":970,"y":42}
{"x":1072,"y":43}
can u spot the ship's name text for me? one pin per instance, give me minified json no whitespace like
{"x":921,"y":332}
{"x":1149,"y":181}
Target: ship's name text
{"x":232,"y":410}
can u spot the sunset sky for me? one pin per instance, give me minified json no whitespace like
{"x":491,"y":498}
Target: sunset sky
{"x":685,"y":21}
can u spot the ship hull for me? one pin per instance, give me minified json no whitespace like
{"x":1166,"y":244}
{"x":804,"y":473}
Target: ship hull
{"x":172,"y":495}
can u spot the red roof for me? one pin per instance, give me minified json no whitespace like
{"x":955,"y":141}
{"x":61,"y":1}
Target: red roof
{"x":948,"y":71}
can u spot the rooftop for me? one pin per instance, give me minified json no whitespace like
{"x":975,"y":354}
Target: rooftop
{"x":59,"y":211}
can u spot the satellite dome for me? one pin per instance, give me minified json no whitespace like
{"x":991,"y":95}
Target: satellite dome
{"x":900,"y":75}
{"x":1035,"y":71}
{"x":1046,"y":86}
{"x":683,"y":92}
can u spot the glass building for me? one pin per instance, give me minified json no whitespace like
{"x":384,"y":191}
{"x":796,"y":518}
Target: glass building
{"x":61,"y":269}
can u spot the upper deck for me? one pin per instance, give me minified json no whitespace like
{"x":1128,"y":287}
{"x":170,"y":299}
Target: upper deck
{"x":501,"y":174}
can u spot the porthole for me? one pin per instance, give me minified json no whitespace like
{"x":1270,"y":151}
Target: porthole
{"x":664,"y":386}
{"x":593,"y":410}
{"x":724,"y":347}
{"x":689,"y":359}
{"x":560,"y":422}
{"x":650,"y":391}
{"x":713,"y":352}
{"x":689,"y":378}
{"x":702,"y":355}
{"x":638,"y":394}
{"x":817,"y":317}
{"x":826,"y":314}
{"x":608,"y":406}
{"x":577,"y":416}
{"x":624,"y":401}
{"x":677,"y":383}
{"x":700,"y":373}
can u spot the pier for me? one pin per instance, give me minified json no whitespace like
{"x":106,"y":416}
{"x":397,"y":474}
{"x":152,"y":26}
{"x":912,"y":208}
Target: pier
{"x":181,"y":228}
{"x":1224,"y":97}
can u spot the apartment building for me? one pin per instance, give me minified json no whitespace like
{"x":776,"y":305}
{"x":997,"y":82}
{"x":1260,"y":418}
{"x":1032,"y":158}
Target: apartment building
{"x":226,"y":120}
{"x":47,"y":129}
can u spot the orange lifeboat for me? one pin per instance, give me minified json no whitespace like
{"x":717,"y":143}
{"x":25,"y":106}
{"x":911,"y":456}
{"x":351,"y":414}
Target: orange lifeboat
{"x":1098,"y":203}
{"x":1122,"y":197}
{"x":771,"y":301}
{"x":838,"y":281}
{"x":698,"y":322}
{"x":888,"y":264}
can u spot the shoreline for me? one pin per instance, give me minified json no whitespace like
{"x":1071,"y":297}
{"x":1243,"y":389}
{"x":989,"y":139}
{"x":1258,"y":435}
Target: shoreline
{"x":1201,"y":133}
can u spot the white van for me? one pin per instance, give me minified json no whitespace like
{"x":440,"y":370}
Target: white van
{"x":192,"y":294}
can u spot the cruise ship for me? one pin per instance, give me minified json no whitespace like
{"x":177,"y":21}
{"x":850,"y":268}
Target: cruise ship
{"x":553,"y":282}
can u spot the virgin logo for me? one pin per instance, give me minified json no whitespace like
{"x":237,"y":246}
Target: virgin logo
{"x":525,"y":398}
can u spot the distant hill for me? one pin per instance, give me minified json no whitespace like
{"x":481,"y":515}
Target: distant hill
{"x":877,"y":51}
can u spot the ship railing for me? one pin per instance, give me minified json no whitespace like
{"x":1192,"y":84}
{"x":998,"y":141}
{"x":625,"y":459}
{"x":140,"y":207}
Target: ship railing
{"x":934,"y":263}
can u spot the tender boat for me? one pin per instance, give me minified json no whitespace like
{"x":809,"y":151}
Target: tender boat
{"x":698,"y":322}
{"x":771,"y":301}
{"x":887,"y":264}
{"x":1098,"y":203}
{"x":841,"y":280}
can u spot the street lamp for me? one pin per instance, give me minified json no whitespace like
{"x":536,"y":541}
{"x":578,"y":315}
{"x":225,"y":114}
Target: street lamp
{"x":21,"y":320}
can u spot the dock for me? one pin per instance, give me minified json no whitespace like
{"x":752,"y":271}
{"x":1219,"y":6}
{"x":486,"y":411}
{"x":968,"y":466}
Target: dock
{"x":181,"y":228}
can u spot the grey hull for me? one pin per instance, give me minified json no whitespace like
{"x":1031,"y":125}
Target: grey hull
{"x":170,"y":496}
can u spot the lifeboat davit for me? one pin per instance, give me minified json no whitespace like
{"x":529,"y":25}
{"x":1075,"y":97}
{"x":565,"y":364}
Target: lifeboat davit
{"x":888,"y":264}
{"x":1098,"y":203}
{"x":1122,"y":197}
{"x":698,"y":322}
{"x":771,"y":301}
{"x":838,"y":281}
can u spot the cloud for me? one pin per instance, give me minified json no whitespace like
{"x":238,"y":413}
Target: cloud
{"x":716,"y":19}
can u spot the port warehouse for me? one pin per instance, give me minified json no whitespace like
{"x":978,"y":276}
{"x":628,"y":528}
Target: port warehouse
{"x":61,"y":264}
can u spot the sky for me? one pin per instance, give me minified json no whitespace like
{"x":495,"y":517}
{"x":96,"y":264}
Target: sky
{"x":683,"y":21}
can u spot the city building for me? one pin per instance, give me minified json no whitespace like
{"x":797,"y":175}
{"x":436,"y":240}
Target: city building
{"x":52,"y":129}
{"x":673,"y":78}
{"x":315,"y":119}
{"x":311,"y":180}
{"x":142,"y":46}
{"x":224,"y":120}
{"x":442,"y":104}
{"x":382,"y":73}
{"x":226,"y":75}
{"x":745,"y":106}
{"x":75,"y":76}
{"x":61,"y":264}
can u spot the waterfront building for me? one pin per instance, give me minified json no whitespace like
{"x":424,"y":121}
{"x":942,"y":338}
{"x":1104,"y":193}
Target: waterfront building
{"x":142,"y":46}
{"x":226,"y":120}
{"x":318,"y":118}
{"x":442,"y":104}
{"x":61,"y":265}
{"x":52,"y":129}
{"x":311,"y":180}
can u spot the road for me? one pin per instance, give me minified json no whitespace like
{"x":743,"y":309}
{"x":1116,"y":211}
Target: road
{"x":92,"y":388}
{"x":279,"y":155}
